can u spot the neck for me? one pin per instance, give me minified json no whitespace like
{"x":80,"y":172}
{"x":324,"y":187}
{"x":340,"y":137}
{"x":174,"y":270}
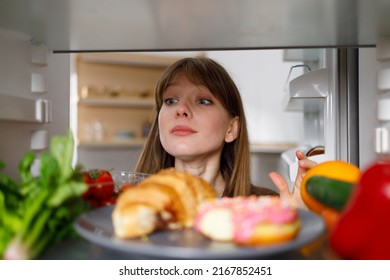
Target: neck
{"x":207,"y":171}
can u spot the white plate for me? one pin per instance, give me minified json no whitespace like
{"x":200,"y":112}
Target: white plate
{"x":96,"y":226}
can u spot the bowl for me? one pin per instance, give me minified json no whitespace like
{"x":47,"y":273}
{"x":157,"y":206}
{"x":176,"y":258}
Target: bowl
{"x":122,"y":177}
{"x":103,"y":192}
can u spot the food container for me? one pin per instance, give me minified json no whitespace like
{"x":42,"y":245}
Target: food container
{"x":128,"y":178}
{"x":104,"y":186}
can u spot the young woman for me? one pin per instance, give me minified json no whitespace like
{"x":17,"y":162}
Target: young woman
{"x":200,"y":127}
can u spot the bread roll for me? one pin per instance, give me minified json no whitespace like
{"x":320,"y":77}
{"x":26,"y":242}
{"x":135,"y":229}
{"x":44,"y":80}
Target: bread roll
{"x":168,"y":199}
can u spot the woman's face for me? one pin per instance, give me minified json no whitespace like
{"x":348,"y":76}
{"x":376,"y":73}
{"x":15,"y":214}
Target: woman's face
{"x":192,"y":122}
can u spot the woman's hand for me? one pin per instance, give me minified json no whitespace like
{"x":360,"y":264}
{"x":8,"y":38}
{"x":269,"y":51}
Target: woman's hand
{"x":304,"y":164}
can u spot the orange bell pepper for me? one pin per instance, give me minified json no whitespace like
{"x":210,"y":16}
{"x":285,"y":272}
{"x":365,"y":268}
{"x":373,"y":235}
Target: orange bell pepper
{"x":326,"y":188}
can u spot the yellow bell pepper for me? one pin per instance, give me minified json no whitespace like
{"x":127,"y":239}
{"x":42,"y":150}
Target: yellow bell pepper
{"x":327,"y":186}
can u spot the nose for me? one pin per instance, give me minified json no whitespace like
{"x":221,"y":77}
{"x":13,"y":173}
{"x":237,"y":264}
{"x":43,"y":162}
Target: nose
{"x":183,"y":110}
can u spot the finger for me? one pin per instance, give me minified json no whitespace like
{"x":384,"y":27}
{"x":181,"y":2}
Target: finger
{"x":303,"y":161}
{"x":300,"y":155}
{"x":306,"y":163}
{"x":280,"y":183}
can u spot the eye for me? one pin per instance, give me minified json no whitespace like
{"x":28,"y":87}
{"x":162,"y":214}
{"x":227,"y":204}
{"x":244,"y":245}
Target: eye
{"x":204,"y":101}
{"x":170,"y":101}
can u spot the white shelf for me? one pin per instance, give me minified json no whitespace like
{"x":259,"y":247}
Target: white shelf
{"x":308,"y":91}
{"x":129,"y":103}
{"x":136,"y":143}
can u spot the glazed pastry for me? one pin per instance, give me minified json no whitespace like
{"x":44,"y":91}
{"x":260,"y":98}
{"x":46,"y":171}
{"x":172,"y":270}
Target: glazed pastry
{"x":248,"y":220}
{"x":167,"y":200}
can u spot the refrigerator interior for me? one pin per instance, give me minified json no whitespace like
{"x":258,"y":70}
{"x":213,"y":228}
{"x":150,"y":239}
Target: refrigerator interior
{"x":37,"y":40}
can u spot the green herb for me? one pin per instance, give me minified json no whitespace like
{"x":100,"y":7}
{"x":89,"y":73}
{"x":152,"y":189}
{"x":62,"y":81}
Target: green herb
{"x":39,"y":211}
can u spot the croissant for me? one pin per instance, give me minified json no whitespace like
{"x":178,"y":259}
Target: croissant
{"x":168,"y":200}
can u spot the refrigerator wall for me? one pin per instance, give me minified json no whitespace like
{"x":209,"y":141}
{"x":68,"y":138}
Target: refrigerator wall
{"x":35,"y":110}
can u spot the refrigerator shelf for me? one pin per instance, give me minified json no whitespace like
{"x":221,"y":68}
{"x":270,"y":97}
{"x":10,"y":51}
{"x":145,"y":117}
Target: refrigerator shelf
{"x":308,"y":91}
{"x":129,"y":103}
{"x":23,"y":109}
{"x":114,"y":143}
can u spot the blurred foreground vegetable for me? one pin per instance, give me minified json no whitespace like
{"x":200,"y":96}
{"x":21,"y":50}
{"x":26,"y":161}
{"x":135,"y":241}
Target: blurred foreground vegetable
{"x":39,"y":211}
{"x":327,"y":187}
{"x":363,"y":230}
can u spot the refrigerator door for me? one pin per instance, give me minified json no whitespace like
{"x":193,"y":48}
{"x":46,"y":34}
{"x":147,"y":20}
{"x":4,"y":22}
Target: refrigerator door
{"x":329,"y":99}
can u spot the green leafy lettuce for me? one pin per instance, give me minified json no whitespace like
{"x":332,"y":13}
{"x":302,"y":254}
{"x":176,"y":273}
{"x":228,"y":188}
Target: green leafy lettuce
{"x":36,"y":212}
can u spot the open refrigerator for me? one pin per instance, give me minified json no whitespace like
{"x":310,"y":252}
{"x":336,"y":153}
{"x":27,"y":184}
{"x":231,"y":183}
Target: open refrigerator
{"x":345,"y":108}
{"x":345,"y":100}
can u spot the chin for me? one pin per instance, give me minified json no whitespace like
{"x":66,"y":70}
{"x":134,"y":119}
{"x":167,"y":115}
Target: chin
{"x":180,"y":149}
{"x":182,"y":155}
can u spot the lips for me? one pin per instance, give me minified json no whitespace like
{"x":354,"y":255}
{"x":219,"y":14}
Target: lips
{"x":181,"y":130}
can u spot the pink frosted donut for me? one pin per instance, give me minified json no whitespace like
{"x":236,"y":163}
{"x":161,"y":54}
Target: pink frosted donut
{"x":248,"y":220}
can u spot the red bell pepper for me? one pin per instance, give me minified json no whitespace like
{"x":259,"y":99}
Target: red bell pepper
{"x":363,"y":230}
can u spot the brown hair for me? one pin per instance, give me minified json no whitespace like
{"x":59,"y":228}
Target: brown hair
{"x":235,"y":157}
